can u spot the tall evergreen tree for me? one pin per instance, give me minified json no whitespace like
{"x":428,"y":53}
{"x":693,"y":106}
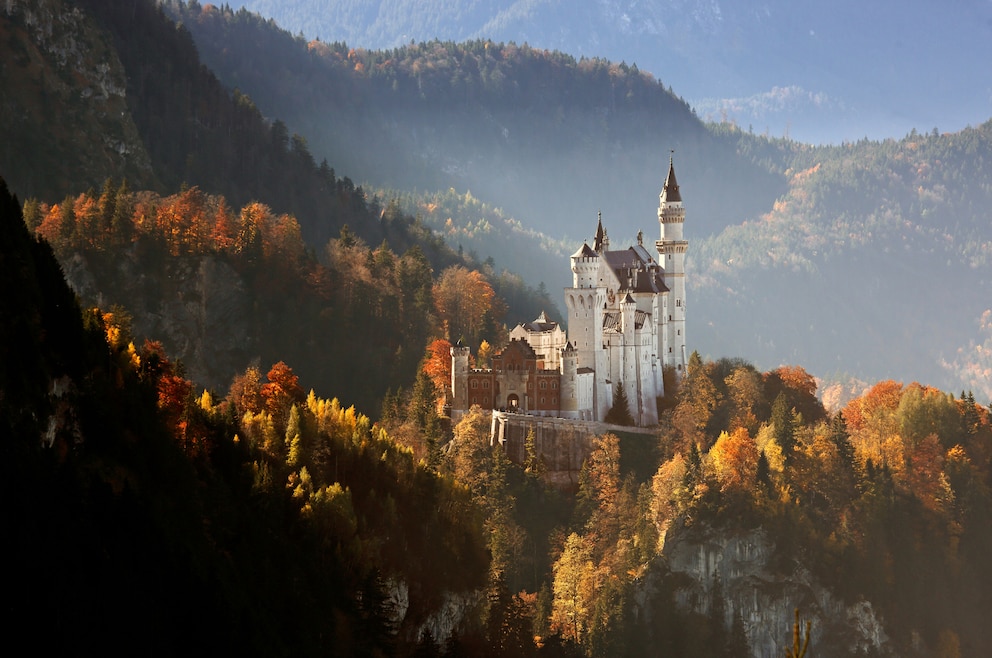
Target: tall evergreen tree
{"x":783,"y":420}
{"x":619,"y":413}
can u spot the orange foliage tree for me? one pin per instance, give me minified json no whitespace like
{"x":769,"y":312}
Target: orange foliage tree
{"x":282,"y":391}
{"x":800,"y":391}
{"x":462,"y":298}
{"x":883,"y":395}
{"x":734,"y":458}
{"x":437,"y":363}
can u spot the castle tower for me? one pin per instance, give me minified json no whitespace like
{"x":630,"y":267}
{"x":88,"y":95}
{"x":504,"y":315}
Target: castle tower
{"x":671,"y":256}
{"x":585,"y":301}
{"x":459,"y":378}
{"x":569,"y":400}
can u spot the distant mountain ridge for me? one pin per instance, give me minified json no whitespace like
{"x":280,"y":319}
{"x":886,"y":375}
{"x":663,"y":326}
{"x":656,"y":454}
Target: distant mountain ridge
{"x":818,"y":72}
{"x":797,"y":253}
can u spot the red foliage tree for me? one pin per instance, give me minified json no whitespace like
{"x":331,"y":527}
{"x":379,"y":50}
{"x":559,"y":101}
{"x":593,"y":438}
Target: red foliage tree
{"x":282,"y":390}
{"x":437,"y":363}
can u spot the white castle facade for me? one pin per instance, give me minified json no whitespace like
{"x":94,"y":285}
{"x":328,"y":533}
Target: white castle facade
{"x":626,"y":325}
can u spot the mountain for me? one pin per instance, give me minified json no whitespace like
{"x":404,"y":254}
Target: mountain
{"x":214,"y":304}
{"x":797,"y":253}
{"x":876,"y":260}
{"x":548,"y":139}
{"x":818,"y":72}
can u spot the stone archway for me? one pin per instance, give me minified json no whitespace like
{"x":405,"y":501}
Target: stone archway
{"x":513,"y":402}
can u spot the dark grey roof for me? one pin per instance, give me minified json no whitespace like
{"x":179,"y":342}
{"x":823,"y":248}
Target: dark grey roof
{"x":636,"y":266}
{"x":612,"y":320}
{"x":670,"y":192}
{"x":540,"y":325}
{"x":584,"y":252}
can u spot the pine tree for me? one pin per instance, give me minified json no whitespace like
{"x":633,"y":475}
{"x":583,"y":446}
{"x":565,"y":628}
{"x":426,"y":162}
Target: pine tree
{"x":534,"y":465}
{"x":619,"y":413}
{"x":783,"y":419}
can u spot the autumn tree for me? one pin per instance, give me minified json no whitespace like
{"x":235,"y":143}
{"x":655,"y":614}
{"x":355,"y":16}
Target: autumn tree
{"x":698,"y":399}
{"x":437,"y":365}
{"x":281,"y":391}
{"x":603,"y":482}
{"x":745,"y":390}
{"x":734,"y":459}
{"x":799,"y":389}
{"x":462,"y":297}
{"x":574,"y":586}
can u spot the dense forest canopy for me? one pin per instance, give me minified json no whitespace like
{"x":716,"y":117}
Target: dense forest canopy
{"x":250,"y":289}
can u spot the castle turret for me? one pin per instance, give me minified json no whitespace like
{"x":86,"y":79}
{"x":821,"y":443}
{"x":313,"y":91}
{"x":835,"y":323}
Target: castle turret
{"x":671,"y":256}
{"x":568,"y":402}
{"x":585,"y":267}
{"x":459,"y":379}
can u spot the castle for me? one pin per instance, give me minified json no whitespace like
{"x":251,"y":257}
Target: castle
{"x":626,"y":324}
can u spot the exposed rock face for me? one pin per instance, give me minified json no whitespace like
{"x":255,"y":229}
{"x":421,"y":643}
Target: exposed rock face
{"x":64,"y":84}
{"x":442,"y":622}
{"x":766,"y":596}
{"x":198,"y":307}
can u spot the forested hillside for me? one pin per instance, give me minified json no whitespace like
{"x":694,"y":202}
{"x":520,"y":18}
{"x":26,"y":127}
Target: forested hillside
{"x":796,"y":252}
{"x":223,"y":288}
{"x":208,"y":274}
{"x":875,"y":261}
{"x":549,"y":138}
{"x":144,"y":511}
{"x":876,"y":515}
{"x":135,"y":101}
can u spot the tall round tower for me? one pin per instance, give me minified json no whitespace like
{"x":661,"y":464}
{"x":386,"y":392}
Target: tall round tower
{"x":459,"y":379}
{"x":671,"y":256}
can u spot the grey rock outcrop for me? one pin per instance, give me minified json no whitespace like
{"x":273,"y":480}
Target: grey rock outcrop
{"x":765,"y":591}
{"x":198,"y":307}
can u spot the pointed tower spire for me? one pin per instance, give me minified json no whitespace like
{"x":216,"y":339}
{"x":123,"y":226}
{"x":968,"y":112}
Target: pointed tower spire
{"x":671,"y":256}
{"x":601,"y":240}
{"x":671,"y":190}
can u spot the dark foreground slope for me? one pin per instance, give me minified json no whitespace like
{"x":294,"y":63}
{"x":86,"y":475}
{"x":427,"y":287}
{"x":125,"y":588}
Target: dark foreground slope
{"x":145,"y":518}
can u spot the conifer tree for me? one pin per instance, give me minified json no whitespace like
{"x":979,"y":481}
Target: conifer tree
{"x":783,"y":419}
{"x":619,"y":413}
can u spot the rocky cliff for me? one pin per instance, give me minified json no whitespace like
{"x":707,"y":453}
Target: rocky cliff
{"x":198,"y":307}
{"x":64,"y":103}
{"x":765,"y":590}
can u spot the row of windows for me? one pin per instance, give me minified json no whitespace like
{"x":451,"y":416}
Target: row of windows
{"x":544,"y":384}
